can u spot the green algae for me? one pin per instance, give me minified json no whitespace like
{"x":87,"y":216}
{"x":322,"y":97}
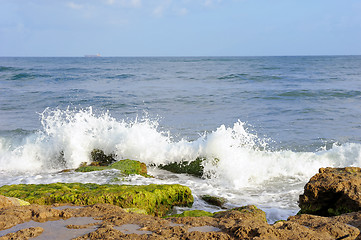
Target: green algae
{"x":247,"y":212}
{"x":126,"y":167}
{"x":193,"y":213}
{"x":216,"y":201}
{"x":329,"y":212}
{"x":194,"y":168}
{"x":250,"y":211}
{"x":155,"y":199}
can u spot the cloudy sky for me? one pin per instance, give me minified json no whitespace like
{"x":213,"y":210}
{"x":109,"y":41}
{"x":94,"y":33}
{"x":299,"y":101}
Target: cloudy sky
{"x":180,"y":27}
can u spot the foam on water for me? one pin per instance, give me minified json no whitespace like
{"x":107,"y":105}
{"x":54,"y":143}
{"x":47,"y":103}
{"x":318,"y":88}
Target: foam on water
{"x":234,"y":156}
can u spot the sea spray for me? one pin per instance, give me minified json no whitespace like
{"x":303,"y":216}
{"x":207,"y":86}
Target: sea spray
{"x":234,"y":157}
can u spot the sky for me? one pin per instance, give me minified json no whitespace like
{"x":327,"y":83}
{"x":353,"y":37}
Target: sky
{"x":180,"y":27}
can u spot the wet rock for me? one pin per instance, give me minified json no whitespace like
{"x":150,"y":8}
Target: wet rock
{"x":241,"y":223}
{"x":154,"y":199}
{"x":24,"y":233}
{"x":99,"y":158}
{"x":126,"y":167}
{"x":194,"y":213}
{"x":216,"y":201}
{"x":194,"y":168}
{"x":332,"y":191}
{"x":10,"y":217}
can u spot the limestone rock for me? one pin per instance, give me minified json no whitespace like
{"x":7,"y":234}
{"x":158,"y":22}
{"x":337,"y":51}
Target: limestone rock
{"x":6,"y":202}
{"x":126,"y":167}
{"x":154,"y":199}
{"x":332,"y":191}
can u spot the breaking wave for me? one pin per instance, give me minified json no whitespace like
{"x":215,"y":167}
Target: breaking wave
{"x":234,"y":155}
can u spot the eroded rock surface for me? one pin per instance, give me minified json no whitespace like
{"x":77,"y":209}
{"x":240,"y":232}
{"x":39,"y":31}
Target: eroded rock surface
{"x":240,"y":223}
{"x":6,"y":202}
{"x":332,"y":191}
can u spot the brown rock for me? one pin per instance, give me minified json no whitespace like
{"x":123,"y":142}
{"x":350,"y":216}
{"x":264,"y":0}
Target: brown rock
{"x":336,"y":227}
{"x":5,"y":202}
{"x":242,"y":223}
{"x":332,"y":191}
{"x":23,"y":234}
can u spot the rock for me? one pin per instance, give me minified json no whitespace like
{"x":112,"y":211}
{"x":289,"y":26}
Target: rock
{"x":332,"y":191}
{"x":126,"y":167}
{"x":241,"y":223}
{"x":154,"y":199}
{"x":9,"y":217}
{"x":337,"y":227}
{"x":24,"y":233}
{"x":217,"y":201}
{"x":194,"y":168}
{"x":100,"y":159}
{"x":193,"y":213}
{"x":6,"y":202}
{"x":244,"y":213}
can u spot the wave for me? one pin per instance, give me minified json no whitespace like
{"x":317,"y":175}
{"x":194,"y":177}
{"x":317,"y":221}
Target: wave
{"x":8,"y":69}
{"x":234,"y":156}
{"x":337,"y":93}
{"x":27,"y":76}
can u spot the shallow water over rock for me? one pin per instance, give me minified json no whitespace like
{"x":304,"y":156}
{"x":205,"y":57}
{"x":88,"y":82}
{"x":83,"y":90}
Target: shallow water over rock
{"x":56,"y":229}
{"x":132,"y":228}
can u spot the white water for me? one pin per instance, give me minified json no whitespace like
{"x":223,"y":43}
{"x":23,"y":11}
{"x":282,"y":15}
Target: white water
{"x":238,"y":166}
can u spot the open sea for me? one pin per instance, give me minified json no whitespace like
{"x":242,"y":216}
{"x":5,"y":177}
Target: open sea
{"x":264,"y":124}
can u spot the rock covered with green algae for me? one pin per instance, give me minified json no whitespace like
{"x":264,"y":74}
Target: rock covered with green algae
{"x":193,"y":213}
{"x":194,"y":168}
{"x":244,"y":212}
{"x":155,"y":199}
{"x":332,"y":191}
{"x":126,"y":167}
{"x":213,"y":200}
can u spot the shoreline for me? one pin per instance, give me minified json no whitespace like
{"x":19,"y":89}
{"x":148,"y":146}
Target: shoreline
{"x":105,"y":221}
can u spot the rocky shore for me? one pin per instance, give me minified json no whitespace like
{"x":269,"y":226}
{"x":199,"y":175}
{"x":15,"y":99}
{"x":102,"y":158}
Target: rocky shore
{"x":330,"y":209}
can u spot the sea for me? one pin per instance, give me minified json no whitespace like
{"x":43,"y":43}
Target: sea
{"x":265,"y":125}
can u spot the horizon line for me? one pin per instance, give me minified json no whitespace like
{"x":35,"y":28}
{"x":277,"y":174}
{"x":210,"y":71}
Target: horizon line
{"x":189,"y":56}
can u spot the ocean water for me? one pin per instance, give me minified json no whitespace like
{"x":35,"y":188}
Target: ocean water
{"x":264,"y":124}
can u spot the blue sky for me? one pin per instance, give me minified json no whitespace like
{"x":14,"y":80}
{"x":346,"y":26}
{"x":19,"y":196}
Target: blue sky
{"x":180,"y":27}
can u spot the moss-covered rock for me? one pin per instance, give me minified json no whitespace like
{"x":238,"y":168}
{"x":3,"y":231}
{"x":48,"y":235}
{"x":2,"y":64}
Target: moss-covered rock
{"x":126,"y":167}
{"x":216,"y":201}
{"x":194,"y":168}
{"x":156,"y":200}
{"x":193,"y":213}
{"x":244,"y":213}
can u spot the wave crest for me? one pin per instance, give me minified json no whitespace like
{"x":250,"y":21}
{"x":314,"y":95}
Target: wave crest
{"x":234,"y":156}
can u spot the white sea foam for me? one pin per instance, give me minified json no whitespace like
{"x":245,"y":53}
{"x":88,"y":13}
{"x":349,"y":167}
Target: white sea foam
{"x":234,"y":156}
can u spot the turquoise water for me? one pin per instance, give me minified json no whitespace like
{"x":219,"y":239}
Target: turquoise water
{"x":272,"y":121}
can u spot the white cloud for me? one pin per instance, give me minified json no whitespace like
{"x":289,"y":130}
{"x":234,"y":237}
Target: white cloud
{"x":73,"y":5}
{"x":126,"y":3}
{"x":136,"y":3}
{"x":209,"y":3}
{"x":159,"y":10}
